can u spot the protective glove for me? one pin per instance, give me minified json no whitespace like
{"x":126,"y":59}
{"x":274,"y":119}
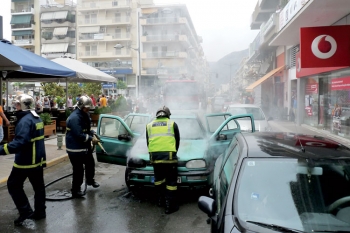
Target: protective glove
{"x":92,"y":132}
{"x":95,"y":140}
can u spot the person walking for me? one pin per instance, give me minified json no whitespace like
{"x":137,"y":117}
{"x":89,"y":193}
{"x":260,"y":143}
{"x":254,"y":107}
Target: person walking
{"x":30,"y":159}
{"x":163,"y":141}
{"x":78,"y":145}
{"x":92,"y":97}
{"x":69,"y":102}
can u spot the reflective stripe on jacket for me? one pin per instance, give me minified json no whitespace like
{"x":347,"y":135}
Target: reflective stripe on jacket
{"x":28,"y":144}
{"x":161,"y":136}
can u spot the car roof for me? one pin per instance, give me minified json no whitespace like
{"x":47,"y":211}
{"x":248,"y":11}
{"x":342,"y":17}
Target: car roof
{"x":278,"y":144}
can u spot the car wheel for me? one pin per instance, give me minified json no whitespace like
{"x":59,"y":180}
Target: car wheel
{"x":127,"y":178}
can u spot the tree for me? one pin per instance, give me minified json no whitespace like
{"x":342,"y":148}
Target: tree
{"x":92,"y":88}
{"x":121,"y":85}
{"x":74,"y":89}
{"x":53,"y":89}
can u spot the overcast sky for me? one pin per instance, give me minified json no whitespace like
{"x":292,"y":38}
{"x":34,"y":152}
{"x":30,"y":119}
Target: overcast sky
{"x":223,"y":24}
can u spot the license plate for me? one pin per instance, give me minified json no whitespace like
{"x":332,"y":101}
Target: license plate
{"x":178,"y":179}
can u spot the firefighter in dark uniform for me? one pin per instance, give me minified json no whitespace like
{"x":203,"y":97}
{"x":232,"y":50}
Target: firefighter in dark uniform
{"x":163,"y":141}
{"x":30,"y":159}
{"x":78,"y":145}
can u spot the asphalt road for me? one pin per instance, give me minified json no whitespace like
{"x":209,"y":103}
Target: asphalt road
{"x":110,"y":208}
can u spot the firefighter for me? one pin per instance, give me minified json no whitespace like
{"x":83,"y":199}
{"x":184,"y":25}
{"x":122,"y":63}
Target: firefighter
{"x":78,"y":145}
{"x":163,"y":141}
{"x":30,"y":159}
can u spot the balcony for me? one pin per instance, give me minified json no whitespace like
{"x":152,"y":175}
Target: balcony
{"x":24,"y":42}
{"x":262,"y":12}
{"x":104,"y":21}
{"x":163,"y":20}
{"x":105,"y":54}
{"x":58,"y":55}
{"x":164,"y":38}
{"x":104,"y":5}
{"x":55,"y":40}
{"x":18,"y":27}
{"x":58,"y":7}
{"x":104,"y":37}
{"x":54,"y":24}
{"x":269,"y":29}
{"x":22,"y":11}
{"x":168,"y":54}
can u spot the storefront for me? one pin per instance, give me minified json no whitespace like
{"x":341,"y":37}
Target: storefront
{"x":327,"y":101}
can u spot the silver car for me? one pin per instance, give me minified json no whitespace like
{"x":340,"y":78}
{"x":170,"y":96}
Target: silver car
{"x":261,"y":122}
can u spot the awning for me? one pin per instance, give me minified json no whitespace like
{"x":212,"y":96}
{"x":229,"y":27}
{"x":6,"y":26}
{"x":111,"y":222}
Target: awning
{"x":33,"y":66}
{"x":21,"y":19}
{"x":47,"y":16}
{"x":22,"y":33}
{"x":84,"y":72}
{"x":95,"y":29}
{"x":60,"y":31}
{"x":60,"y":15}
{"x":54,"y":48}
{"x":268,"y":75}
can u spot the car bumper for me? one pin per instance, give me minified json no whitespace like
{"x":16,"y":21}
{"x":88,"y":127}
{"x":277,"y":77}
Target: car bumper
{"x":188,"y":179}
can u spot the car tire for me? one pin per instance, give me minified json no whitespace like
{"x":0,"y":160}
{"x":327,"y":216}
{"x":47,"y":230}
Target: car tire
{"x":127,"y":179}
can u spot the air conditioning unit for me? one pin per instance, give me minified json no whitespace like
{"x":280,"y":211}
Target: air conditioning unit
{"x":115,"y":3}
{"x":102,"y":30}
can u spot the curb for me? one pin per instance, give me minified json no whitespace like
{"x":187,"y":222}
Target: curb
{"x":50,"y":163}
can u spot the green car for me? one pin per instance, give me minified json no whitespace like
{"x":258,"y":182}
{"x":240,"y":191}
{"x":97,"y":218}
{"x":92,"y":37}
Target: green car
{"x":202,"y":140}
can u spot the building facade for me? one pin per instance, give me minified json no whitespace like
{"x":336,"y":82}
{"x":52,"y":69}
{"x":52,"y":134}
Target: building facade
{"x":25,"y":24}
{"x":58,"y":29}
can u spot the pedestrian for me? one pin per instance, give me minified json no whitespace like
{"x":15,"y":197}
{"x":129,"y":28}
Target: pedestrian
{"x":69,"y":102}
{"x":93,"y":100}
{"x":46,"y":102}
{"x":3,"y":118}
{"x":52,"y":102}
{"x":38,"y":104}
{"x":103,"y":101}
{"x":30,"y":159}
{"x":163,"y":141}
{"x":78,"y":145}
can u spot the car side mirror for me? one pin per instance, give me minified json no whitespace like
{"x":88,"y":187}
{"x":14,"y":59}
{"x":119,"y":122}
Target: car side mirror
{"x":221,"y":137}
{"x":270,"y":119}
{"x":207,"y":205}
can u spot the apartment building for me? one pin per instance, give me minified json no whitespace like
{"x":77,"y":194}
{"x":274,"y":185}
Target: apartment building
{"x":25,"y":25}
{"x":58,"y":29}
{"x":170,"y":46}
{"x":103,"y":24}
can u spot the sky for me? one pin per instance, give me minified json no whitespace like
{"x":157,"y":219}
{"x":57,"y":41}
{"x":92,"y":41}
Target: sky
{"x":224,"y":25}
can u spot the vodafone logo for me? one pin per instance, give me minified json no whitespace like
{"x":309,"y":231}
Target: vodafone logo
{"x":324,"y":46}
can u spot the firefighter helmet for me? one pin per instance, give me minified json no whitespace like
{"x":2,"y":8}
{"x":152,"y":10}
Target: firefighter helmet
{"x":26,"y":102}
{"x":163,"y":112}
{"x":84,"y":102}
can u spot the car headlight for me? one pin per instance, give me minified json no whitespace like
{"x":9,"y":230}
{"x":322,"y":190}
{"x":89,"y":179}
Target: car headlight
{"x":197,"y":163}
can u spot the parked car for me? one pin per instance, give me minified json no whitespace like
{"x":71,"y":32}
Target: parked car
{"x":260,"y":119}
{"x":280,"y":182}
{"x":217,"y":104}
{"x":202,"y":140}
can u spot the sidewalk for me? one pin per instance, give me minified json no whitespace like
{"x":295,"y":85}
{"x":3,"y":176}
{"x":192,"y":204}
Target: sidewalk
{"x":53,"y":157}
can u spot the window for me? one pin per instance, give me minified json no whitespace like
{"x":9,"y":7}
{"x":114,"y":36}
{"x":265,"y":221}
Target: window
{"x":114,"y":3}
{"x":226,"y":176}
{"x":111,"y":127}
{"x":117,"y":17}
{"x":118,"y":33}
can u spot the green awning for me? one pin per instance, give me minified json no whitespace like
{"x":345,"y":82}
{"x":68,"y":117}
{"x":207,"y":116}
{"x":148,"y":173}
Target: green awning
{"x":22,"y":33}
{"x":21,"y":19}
{"x":19,"y":0}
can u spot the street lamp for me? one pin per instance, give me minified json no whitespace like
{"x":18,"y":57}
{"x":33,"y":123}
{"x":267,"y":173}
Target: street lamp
{"x":138,"y":49}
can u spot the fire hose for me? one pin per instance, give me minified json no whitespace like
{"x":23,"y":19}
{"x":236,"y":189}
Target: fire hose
{"x":66,"y":195}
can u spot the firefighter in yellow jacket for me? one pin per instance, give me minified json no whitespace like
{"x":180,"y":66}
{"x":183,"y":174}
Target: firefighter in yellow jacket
{"x":163,"y":141}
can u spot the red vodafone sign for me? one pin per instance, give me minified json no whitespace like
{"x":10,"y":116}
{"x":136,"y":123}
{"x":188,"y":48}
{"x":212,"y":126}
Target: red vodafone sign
{"x":325,"y":46}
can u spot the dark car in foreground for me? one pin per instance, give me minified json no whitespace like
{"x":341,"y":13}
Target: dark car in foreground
{"x":280,"y":182}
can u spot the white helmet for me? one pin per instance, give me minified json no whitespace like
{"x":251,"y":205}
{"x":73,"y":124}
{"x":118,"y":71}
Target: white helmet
{"x":84,"y":102}
{"x":26,"y":102}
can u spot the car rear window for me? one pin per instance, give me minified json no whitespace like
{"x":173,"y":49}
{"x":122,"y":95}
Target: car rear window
{"x":256,"y":112}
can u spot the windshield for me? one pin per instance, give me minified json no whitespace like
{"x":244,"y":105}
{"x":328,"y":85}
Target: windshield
{"x":190,"y":128}
{"x":256,"y":112}
{"x":288,"y":193}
